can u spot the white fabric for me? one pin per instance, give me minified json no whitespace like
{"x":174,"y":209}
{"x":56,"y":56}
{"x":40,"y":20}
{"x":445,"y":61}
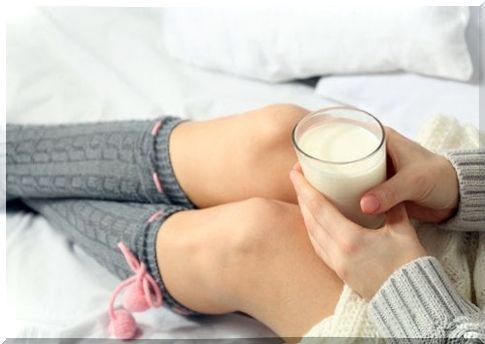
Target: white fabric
{"x":285,"y":43}
{"x":86,"y":64}
{"x":67,"y":65}
{"x":394,"y":97}
{"x":453,"y":249}
{"x":56,"y":291}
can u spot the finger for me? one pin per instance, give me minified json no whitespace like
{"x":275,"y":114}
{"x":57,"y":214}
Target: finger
{"x":397,"y":214}
{"x":385,"y":196}
{"x":321,"y":252}
{"x":397,"y":220}
{"x":425,"y":214}
{"x":297,"y":167}
{"x":394,"y":144}
{"x":323,"y":244}
{"x":320,"y":208}
{"x":414,"y":211}
{"x":322,"y":237}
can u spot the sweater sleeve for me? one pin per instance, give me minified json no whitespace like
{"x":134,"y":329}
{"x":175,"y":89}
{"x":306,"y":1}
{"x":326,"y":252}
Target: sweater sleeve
{"x":419,"y":301}
{"x":470,"y":169}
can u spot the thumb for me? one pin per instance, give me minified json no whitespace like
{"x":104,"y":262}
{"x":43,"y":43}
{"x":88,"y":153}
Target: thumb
{"x":397,"y":221}
{"x":397,"y":215}
{"x":386,"y":195}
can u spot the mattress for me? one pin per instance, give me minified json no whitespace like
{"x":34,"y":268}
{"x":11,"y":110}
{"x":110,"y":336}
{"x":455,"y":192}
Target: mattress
{"x":68,"y":65}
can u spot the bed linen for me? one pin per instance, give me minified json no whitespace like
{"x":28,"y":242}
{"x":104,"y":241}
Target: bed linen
{"x":302,"y":41}
{"x":404,"y":101}
{"x":85,"y":64}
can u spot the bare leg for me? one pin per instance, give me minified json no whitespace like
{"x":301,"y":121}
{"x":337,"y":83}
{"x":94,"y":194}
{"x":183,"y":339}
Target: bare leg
{"x":253,"y":256}
{"x":236,"y":157}
{"x":244,"y":253}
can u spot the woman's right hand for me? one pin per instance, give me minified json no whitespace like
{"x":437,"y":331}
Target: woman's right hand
{"x":425,"y":181}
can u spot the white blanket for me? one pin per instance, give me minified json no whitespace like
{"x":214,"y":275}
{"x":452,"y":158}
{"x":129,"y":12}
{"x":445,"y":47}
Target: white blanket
{"x":82,"y":64}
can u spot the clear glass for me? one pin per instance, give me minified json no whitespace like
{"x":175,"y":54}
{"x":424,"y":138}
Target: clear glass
{"x":342,"y":151}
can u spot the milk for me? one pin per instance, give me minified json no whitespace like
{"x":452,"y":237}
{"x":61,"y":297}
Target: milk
{"x":344,"y":163}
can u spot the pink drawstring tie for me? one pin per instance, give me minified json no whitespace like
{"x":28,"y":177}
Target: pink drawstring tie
{"x":156,"y":179}
{"x":142,"y":293}
{"x":157,"y":182}
{"x":154,"y":216}
{"x":156,"y":128}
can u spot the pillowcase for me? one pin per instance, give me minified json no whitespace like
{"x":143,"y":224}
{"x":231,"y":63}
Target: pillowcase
{"x":299,"y":42}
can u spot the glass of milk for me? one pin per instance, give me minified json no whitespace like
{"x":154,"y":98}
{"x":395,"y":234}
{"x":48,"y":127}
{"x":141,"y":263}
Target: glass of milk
{"x":342,"y":152}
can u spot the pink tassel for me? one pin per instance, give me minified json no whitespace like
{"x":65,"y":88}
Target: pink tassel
{"x":142,"y":293}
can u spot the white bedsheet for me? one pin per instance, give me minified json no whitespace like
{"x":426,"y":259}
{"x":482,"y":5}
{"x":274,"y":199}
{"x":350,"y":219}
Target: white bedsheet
{"x":404,"y":101}
{"x":84,"y":64}
{"x":70,"y":65}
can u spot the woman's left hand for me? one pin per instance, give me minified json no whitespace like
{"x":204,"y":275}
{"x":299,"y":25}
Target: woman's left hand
{"x":363,"y":258}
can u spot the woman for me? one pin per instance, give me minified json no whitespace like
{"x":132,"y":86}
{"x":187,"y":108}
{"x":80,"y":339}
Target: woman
{"x":209,"y":209}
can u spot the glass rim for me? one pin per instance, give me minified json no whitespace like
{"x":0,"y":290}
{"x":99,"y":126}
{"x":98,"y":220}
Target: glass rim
{"x":295,"y":144}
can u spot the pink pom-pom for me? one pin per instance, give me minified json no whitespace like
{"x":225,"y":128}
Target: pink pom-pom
{"x":123,"y":325}
{"x":134,"y":299}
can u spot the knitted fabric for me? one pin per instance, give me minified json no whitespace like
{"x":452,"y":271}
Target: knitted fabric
{"x":461,"y":257}
{"x":100,"y":183}
{"x":124,"y":161}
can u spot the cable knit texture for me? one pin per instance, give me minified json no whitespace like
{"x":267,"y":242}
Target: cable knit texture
{"x":104,"y":160}
{"x":470,"y":167}
{"x":431,"y":297}
{"x":419,"y":301}
{"x":461,"y":145}
{"x":98,"y":226}
{"x":100,"y":183}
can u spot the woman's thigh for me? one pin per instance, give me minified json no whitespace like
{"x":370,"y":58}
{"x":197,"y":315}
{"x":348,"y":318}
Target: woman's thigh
{"x":252,"y":256}
{"x":235,"y":157}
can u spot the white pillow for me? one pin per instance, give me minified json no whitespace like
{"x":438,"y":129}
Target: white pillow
{"x":289,"y":43}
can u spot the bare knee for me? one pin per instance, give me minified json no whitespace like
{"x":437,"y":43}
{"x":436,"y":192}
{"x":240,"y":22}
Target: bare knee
{"x":238,"y":230}
{"x":228,"y":250}
{"x":211,"y":238}
{"x":258,"y":222}
{"x":263,"y":229}
{"x":274,"y":123}
{"x":219,"y":249}
{"x":270,"y":154}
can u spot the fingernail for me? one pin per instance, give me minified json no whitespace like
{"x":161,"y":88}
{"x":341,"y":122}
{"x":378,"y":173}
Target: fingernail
{"x":369,"y":203}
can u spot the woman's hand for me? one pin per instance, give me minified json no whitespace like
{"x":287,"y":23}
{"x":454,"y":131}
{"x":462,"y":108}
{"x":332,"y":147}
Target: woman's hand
{"x":427,"y":181}
{"x":363,"y":258}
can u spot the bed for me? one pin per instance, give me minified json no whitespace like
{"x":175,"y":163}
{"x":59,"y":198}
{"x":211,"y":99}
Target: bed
{"x":89,"y":64}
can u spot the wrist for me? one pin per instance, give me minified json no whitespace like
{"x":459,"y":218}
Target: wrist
{"x":412,"y":253}
{"x":451,"y":184}
{"x":409,"y":250}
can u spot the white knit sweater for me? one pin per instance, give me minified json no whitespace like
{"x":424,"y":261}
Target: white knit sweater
{"x":438,"y":296}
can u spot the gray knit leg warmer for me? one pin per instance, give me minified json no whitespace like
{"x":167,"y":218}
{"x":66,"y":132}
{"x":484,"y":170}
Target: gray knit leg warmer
{"x":98,"y":226}
{"x":123,"y":161}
